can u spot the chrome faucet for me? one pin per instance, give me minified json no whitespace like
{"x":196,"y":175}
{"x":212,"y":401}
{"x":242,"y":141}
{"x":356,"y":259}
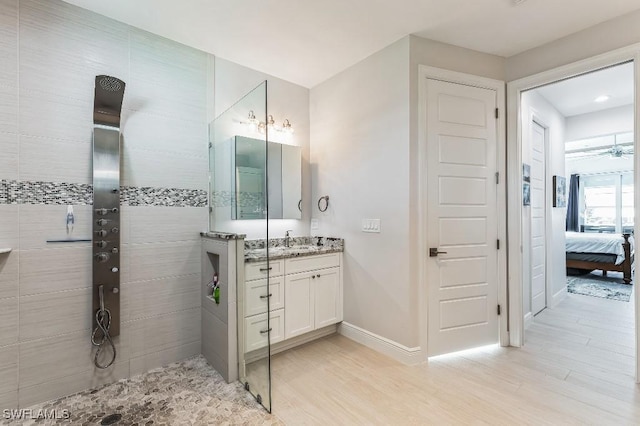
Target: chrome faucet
{"x":287,"y":238}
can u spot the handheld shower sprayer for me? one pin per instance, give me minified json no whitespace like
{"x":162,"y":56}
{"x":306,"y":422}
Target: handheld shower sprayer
{"x":103,"y":319}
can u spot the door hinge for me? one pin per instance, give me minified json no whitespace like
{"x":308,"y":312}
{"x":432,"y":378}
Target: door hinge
{"x":499,"y":310}
{"x":498,"y":244}
{"x":497,"y":113}
{"x":497,"y":178}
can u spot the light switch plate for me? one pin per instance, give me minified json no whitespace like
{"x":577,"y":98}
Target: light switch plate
{"x":371,"y":225}
{"x":314,"y":224}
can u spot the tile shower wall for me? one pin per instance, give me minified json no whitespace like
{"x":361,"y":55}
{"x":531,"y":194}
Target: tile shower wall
{"x":51,"y":53}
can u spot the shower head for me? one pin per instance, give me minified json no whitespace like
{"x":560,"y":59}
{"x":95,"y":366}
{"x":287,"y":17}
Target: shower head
{"x":107,"y":104}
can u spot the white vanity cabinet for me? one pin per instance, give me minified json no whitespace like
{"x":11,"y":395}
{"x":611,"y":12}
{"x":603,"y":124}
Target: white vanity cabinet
{"x":305,"y":294}
{"x":313,"y":296}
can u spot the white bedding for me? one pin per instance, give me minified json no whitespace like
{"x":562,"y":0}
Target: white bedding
{"x":588,"y":242}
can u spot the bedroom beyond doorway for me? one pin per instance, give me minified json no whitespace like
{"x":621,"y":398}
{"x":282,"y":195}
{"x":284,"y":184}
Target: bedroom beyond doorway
{"x":578,"y":223}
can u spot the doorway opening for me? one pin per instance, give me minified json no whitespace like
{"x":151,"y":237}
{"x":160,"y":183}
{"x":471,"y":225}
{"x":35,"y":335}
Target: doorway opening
{"x":578,"y":218}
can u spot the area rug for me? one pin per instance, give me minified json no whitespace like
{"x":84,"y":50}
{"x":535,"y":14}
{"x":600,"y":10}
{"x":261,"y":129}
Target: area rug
{"x":598,"y":286}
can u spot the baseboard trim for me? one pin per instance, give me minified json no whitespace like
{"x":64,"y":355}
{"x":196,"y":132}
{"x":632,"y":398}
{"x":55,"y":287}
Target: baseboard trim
{"x":528,"y":320}
{"x":395,"y":350}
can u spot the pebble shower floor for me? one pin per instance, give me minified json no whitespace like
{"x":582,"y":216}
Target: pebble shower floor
{"x":185,"y":393}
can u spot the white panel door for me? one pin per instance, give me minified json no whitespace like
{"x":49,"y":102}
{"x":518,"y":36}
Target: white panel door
{"x":462,"y":217}
{"x":538,"y":223}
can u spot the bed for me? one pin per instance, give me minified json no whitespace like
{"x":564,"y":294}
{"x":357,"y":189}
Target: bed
{"x":605,"y":252}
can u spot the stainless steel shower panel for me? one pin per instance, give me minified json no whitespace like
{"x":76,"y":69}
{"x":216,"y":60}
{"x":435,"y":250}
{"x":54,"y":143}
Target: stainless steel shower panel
{"x":109,"y":93}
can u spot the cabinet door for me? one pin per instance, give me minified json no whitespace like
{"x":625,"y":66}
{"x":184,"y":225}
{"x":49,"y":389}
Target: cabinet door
{"x":298,"y":296}
{"x":327,"y":296}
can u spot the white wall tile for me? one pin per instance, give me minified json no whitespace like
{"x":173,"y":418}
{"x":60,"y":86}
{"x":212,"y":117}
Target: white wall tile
{"x":144,"y":299}
{"x":74,"y":383}
{"x":9,"y":155}
{"x":145,"y":363}
{"x":9,"y":219}
{"x":9,"y":274}
{"x":9,"y":42}
{"x":43,"y":159}
{"x":73,"y":45}
{"x":125,"y":224}
{"x":125,"y":263}
{"x":167,"y":134}
{"x":56,"y":118}
{"x":9,"y":109}
{"x":163,"y":332}
{"x":168,"y":78}
{"x":9,"y":400}
{"x":46,"y":360}
{"x":151,"y":261}
{"x":8,"y":321}
{"x":52,"y":314}
{"x":51,"y":270}
{"x":41,"y":223}
{"x":157,"y":224}
{"x":8,"y":369}
{"x":164,"y":169}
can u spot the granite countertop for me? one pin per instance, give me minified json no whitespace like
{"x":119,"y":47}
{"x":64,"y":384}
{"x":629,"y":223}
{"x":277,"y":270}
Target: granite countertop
{"x":223,"y":235}
{"x":255,"y":250}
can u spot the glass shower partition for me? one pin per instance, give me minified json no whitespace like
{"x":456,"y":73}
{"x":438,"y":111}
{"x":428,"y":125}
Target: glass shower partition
{"x":238,"y":199}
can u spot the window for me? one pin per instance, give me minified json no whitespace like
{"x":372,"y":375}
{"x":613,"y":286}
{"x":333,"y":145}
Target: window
{"x":607,"y":202}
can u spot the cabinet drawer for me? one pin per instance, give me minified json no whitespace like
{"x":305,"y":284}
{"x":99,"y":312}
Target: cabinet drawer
{"x":309,"y":263}
{"x":258,"y":270}
{"x":255,"y":327}
{"x":255,"y":291}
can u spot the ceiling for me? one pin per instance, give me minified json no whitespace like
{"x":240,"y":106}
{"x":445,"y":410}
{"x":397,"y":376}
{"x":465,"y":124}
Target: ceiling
{"x":307,"y":42}
{"x":576,"y":95}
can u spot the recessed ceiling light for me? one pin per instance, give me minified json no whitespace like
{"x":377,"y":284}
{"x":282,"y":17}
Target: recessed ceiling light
{"x":603,"y":98}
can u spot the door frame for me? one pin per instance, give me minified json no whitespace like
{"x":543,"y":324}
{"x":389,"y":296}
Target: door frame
{"x":424,"y":73}
{"x":514,"y":161}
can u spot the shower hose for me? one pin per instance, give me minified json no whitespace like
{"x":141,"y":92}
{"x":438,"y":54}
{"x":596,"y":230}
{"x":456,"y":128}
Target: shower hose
{"x":103,"y":319}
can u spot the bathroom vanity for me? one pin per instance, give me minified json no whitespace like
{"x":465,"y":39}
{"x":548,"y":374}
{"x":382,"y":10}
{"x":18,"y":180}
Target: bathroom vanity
{"x":304,"y":295}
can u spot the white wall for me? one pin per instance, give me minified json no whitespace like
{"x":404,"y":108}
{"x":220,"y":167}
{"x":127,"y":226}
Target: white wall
{"x":360,"y":158}
{"x":534,"y":105}
{"x":285,"y":100}
{"x":46,"y":91}
{"x":602,"y":38}
{"x":600,"y":123}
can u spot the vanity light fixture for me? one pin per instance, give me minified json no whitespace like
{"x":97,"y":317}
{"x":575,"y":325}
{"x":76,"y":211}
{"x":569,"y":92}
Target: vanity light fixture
{"x":286,"y":126}
{"x":261,"y":126}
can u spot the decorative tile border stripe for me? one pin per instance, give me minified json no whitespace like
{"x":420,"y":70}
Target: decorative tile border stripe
{"x":56,"y":193}
{"x":167,"y":197}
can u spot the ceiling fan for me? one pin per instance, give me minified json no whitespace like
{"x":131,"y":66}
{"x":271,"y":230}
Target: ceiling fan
{"x":616,"y":150}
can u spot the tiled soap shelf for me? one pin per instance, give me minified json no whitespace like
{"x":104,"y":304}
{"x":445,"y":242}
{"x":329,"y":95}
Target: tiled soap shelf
{"x":5,"y":250}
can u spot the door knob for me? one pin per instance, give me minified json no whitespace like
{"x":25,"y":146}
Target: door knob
{"x":433,"y":252}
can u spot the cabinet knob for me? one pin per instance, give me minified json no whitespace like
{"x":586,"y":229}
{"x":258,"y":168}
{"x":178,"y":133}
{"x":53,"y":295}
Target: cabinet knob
{"x":318,"y":275}
{"x":313,"y":277}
